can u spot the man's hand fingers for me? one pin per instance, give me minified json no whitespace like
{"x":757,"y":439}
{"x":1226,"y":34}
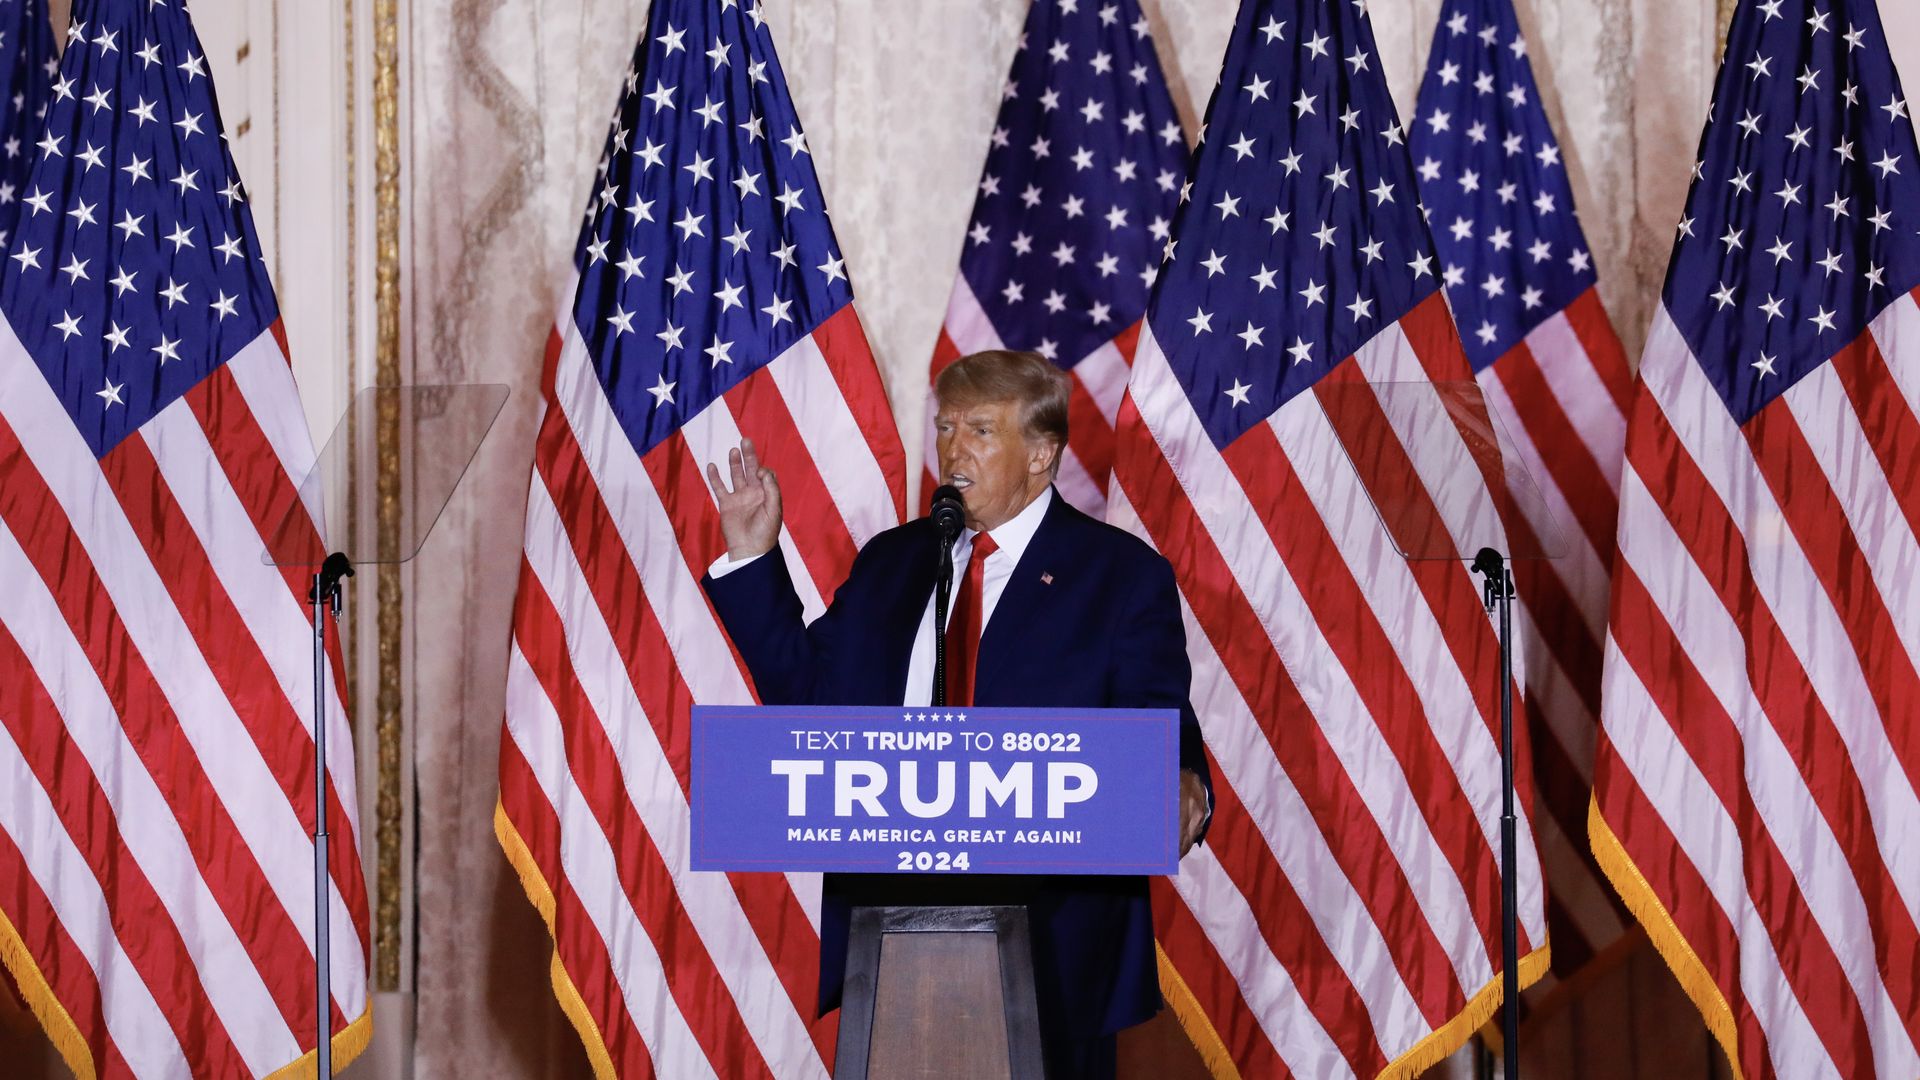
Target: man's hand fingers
{"x":749,"y":457}
{"x":738,"y":468}
{"x":719,"y":486}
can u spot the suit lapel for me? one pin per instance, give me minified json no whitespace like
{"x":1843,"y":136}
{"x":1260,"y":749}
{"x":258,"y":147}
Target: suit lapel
{"x":1027,"y":592}
{"x":909,"y":608}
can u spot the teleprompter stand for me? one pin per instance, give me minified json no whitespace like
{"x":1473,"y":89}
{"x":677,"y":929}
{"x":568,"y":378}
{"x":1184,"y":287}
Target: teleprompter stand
{"x":1433,"y":512}
{"x":350,"y":511}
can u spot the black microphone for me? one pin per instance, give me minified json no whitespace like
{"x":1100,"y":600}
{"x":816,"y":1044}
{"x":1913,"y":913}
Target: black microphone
{"x":948,"y":511}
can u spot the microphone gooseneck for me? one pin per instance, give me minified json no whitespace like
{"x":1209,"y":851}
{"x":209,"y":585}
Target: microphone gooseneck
{"x":949,"y":514}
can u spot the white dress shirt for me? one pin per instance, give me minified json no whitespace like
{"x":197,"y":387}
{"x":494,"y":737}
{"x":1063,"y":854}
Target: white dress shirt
{"x":1012,"y":538}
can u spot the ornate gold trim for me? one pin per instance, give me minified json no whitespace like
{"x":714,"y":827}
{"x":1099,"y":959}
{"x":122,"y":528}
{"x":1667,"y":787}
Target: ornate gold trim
{"x":1723,"y":22}
{"x":386,"y":190}
{"x":350,"y":635}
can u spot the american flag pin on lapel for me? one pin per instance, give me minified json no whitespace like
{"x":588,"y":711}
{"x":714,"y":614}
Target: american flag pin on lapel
{"x":1046,"y":579}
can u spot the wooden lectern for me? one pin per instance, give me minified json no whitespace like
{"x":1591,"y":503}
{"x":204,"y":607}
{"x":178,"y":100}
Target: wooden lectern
{"x":938,"y":831}
{"x":939,"y":992}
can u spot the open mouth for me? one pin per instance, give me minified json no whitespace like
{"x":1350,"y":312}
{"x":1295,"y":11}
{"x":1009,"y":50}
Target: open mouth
{"x":960,"y":480}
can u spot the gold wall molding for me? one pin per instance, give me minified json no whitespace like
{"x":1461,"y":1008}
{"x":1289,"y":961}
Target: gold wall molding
{"x":349,"y":273}
{"x":388,"y":732}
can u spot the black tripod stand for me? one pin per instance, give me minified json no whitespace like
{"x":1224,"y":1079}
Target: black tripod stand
{"x":1498,"y":591}
{"x":324,"y":599}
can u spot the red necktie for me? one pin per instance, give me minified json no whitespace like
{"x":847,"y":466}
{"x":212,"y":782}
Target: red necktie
{"x":964,"y":623}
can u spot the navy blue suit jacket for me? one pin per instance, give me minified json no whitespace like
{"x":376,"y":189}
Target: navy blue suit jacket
{"x":1104,"y":632}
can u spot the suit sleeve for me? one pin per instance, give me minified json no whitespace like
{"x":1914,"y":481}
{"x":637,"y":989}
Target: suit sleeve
{"x":1151,"y":669}
{"x":789,"y":660}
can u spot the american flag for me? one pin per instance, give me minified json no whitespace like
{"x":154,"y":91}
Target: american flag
{"x":28,"y":65}
{"x":1075,"y":203}
{"x":1755,"y":794}
{"x":1343,"y":917}
{"x":712,"y":302}
{"x":1520,"y":279}
{"x":156,"y":693}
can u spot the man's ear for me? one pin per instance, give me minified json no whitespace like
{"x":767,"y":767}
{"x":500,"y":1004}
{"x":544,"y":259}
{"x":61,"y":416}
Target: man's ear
{"x":1042,"y":456}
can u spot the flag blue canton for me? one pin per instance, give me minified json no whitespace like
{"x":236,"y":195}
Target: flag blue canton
{"x":707,"y":251}
{"x":134,"y":272}
{"x":27,"y":68}
{"x":1300,"y":236}
{"x":1083,"y":173}
{"x":1496,"y":192}
{"x":1801,"y":222}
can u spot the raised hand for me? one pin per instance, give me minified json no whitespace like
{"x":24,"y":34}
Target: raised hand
{"x":750,"y":511}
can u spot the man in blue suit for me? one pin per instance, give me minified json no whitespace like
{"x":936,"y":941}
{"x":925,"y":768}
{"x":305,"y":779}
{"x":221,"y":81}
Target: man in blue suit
{"x":1051,"y":608}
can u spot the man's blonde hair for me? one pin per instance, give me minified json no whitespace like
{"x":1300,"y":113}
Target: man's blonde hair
{"x":997,"y":375}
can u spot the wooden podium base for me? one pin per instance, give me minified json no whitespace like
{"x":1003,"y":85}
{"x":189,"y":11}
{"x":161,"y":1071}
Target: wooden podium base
{"x":939,"y":992}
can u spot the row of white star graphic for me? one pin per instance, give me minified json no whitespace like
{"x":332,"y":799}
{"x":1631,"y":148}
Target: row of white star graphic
{"x":231,"y":247}
{"x":1817,"y":24}
{"x":1751,"y":122}
{"x":1102,"y":63}
{"x":108,"y":41}
{"x":1109,"y":16}
{"x":1495,"y":285}
{"x":138,"y":168}
{"x":633,"y":265}
{"x":650,"y":155}
{"x":1513,"y":144}
{"x":1501,"y":239}
{"x":937,"y":717}
{"x":1116,"y":217}
{"x":728,"y":295}
{"x":1015,"y":290}
{"x":1457,"y":25}
{"x":1065,"y":254}
{"x":118,"y":337}
{"x":1041,"y":147}
{"x":1093,"y":109}
{"x":1075,"y":205}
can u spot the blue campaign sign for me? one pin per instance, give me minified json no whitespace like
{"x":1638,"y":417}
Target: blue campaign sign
{"x":980,"y":791}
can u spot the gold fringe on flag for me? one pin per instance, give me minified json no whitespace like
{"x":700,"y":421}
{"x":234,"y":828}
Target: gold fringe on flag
{"x":347,"y":1045}
{"x":1193,"y":1020}
{"x":1453,"y":1034}
{"x":60,"y":1028}
{"x":1666,"y":937}
{"x":72,"y":1046}
{"x":1422,"y":1056}
{"x":541,"y":894}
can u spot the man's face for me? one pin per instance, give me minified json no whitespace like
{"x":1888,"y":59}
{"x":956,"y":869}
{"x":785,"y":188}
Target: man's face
{"x":986,"y":454}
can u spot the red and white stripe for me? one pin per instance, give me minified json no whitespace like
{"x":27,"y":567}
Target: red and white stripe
{"x":156,"y":718}
{"x":1099,"y":382}
{"x":678,"y":974}
{"x":1760,"y":757}
{"x":1564,"y":392}
{"x":1347,"y":905}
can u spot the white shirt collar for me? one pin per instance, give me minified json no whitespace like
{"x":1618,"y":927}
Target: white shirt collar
{"x":1016,"y":533}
